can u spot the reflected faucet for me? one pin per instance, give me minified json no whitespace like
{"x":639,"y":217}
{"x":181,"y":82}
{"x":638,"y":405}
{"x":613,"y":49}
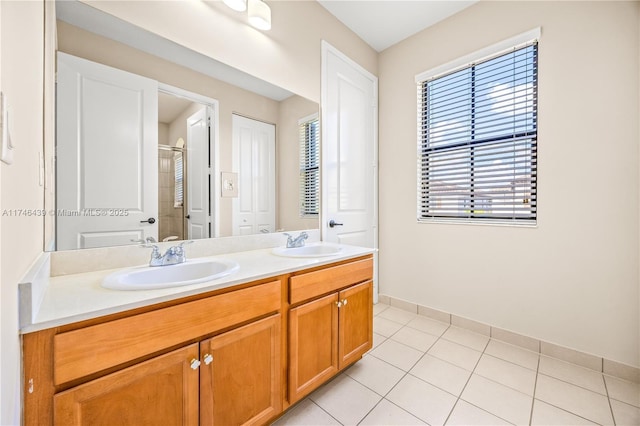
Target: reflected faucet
{"x":172,"y":256}
{"x":296,"y":242}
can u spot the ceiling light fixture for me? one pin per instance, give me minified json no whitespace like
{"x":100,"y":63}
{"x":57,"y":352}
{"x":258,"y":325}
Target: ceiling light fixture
{"x":237,"y":5}
{"x":260,"y":15}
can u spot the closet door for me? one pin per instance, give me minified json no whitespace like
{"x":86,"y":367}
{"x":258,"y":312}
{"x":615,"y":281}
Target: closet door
{"x":254,"y":153}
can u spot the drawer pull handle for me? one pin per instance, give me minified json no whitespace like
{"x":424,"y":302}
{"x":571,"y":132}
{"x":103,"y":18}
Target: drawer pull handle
{"x":208,"y":359}
{"x":194,"y":364}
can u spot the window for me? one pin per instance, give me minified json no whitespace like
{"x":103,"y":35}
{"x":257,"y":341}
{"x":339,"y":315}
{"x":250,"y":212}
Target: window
{"x":309,"y":166}
{"x":477,"y":140}
{"x":178,"y":180}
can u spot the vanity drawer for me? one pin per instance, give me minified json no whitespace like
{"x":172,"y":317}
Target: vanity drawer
{"x":307,"y":286}
{"x":92,"y":349}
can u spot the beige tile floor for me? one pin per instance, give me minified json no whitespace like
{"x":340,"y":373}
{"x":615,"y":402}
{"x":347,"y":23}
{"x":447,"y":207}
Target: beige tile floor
{"x":422,"y":371}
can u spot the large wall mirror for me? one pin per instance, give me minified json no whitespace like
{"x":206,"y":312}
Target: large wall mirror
{"x":155,"y":142}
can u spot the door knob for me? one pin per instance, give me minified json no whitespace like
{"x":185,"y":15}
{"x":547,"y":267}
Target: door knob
{"x":188,"y":216}
{"x":151,"y":220}
{"x":333,"y":223}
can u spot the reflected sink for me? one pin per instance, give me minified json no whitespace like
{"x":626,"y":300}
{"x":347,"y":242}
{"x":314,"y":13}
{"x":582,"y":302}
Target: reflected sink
{"x":187,"y":273}
{"x":307,"y":251}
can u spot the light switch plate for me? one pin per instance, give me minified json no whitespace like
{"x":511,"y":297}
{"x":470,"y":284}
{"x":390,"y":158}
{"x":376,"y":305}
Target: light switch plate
{"x":229,"y":184}
{"x":5,"y":124}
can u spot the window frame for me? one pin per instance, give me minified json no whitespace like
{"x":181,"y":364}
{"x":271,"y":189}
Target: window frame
{"x":469,"y":62}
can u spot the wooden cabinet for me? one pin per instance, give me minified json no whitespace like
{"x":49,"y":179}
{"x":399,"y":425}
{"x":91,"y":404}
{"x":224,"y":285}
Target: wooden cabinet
{"x":240,"y":377}
{"x":313,"y":345}
{"x":161,"y":391}
{"x":332,"y":331}
{"x":212,"y":359}
{"x":230,"y":379}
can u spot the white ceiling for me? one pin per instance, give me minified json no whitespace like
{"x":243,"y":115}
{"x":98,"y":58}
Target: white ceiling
{"x":383,"y":23}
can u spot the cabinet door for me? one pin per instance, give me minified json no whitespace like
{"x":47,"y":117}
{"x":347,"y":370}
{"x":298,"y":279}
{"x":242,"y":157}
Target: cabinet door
{"x":240,"y":377}
{"x":163,"y":390}
{"x":313,"y":345}
{"x":356,"y":322}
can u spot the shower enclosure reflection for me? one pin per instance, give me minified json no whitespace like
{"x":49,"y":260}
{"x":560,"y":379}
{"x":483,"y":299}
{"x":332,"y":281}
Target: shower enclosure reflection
{"x":171,"y":191}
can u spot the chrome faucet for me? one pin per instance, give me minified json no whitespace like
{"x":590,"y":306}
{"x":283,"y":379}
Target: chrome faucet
{"x":296,"y":242}
{"x":172,"y":256}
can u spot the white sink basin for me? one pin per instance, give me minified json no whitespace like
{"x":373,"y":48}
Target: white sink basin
{"x":307,"y":251}
{"x":148,"y":278}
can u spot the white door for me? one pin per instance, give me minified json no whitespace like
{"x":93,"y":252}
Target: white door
{"x":254,"y":149}
{"x":198,"y":216}
{"x":349,"y":151}
{"x":107,"y":159}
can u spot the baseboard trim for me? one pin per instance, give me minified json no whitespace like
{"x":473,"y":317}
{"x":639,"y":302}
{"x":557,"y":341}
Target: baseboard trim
{"x":593,"y":362}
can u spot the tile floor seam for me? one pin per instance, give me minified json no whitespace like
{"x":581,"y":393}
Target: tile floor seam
{"x":566,"y":411}
{"x":606,"y":389}
{"x":511,"y":362}
{"x":535,"y":385}
{"x":407,"y":373}
{"x":573,"y":384}
{"x":369,"y":412}
{"x":328,"y":413}
{"x":486,"y":411}
{"x":426,"y":332}
{"x":410,"y":347}
{"x":467,"y":383}
{"x":372,"y":390}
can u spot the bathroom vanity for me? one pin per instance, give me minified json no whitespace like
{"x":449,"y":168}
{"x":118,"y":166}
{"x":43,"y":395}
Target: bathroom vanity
{"x":239,"y":350}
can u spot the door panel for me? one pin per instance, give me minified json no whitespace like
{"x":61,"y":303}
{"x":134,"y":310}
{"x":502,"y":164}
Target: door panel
{"x":254,"y":210}
{"x":349,"y":151}
{"x":107,"y":166}
{"x":198,"y":175}
{"x":242,"y":383}
{"x":313,"y":345}
{"x":163,"y":390}
{"x":356,"y":323}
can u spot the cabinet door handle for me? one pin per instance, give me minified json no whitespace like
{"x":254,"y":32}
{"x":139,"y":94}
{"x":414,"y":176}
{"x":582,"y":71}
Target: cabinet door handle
{"x":208,"y":359}
{"x":344,"y":302}
{"x":194,"y":364}
{"x":338,"y":304}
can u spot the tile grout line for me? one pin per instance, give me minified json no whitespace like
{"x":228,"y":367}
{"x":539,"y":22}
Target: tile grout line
{"x":535,"y":385}
{"x":328,"y":413}
{"x":406,"y":373}
{"x":606,"y":389}
{"x":384,"y":397}
{"x":467,"y":383}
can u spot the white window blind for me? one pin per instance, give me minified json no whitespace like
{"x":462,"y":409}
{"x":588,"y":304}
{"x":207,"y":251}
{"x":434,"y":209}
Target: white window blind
{"x":179,"y":180}
{"x":477,"y":140}
{"x":309,"y":166}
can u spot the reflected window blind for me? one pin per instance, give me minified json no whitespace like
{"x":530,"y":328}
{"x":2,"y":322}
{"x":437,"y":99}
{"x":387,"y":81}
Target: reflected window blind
{"x":179,"y":186}
{"x":309,"y":166}
{"x":477,"y":140}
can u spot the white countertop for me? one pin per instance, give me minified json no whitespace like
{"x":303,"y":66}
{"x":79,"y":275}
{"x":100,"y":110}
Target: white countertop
{"x":78,"y":297}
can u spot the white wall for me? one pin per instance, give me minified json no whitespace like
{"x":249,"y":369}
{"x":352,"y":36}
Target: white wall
{"x":288,"y":55}
{"x":573,"y":280}
{"x":21,"y":58}
{"x":288,"y":146}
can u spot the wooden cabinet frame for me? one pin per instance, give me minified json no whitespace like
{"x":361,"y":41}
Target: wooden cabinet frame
{"x":65,"y":365}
